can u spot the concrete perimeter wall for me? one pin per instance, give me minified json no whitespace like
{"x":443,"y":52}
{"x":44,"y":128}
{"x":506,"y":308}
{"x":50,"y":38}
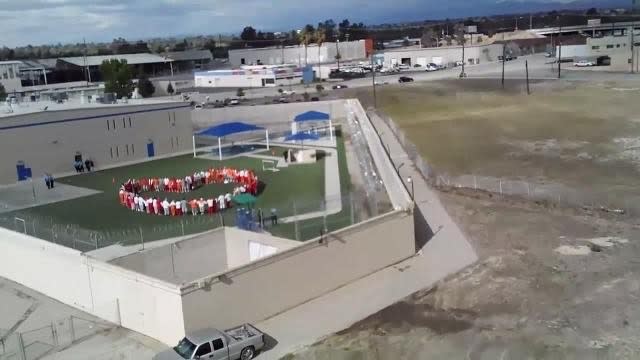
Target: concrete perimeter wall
{"x":277,"y":283}
{"x":137,"y":302}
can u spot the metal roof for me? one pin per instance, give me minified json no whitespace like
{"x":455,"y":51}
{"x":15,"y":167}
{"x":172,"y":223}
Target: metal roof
{"x":190,"y":55}
{"x":132,"y":59}
{"x":10,"y":62}
{"x":228,"y":129}
{"x":202,"y":336}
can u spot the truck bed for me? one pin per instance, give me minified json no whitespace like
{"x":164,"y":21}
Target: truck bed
{"x":243,"y":332}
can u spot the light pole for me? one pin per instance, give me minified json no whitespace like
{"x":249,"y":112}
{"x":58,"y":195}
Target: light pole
{"x":413,"y":195}
{"x":373,"y":71}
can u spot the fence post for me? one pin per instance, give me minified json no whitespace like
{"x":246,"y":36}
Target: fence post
{"x":21,"y":350}
{"x":54,"y":334}
{"x":182,"y":225}
{"x":500,"y":182}
{"x":141,"y":237}
{"x":72,"y":329}
{"x":352,"y":208}
{"x":295,"y":221}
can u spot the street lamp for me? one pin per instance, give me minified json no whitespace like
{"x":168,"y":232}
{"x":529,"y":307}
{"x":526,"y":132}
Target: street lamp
{"x":413,"y":195}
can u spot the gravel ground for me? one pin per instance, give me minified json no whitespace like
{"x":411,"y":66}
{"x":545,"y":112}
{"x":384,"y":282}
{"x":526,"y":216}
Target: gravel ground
{"x":526,"y":298}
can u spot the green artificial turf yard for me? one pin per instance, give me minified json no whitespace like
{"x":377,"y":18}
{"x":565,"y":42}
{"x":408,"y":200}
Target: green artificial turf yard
{"x":101,"y":216}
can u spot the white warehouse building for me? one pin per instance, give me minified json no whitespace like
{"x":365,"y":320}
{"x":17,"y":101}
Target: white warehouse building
{"x":441,"y":56}
{"x":249,"y":76}
{"x":351,"y":50}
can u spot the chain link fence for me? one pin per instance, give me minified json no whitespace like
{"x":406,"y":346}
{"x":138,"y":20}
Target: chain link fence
{"x":36,"y":343}
{"x":553,"y":194}
{"x":299,"y":219}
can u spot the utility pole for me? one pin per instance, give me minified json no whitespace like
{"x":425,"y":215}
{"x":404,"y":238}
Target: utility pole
{"x":373,"y":71}
{"x":462,"y":74}
{"x":282,"y":46}
{"x":559,"y":48}
{"x":526,"y":66}
{"x":633,"y":59}
{"x":504,"y":51}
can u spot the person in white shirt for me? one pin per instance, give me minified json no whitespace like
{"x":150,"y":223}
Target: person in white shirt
{"x":165,"y":207}
{"x":221,"y":202}
{"x":227,"y":200}
{"x":166,"y":184}
{"x":141,"y":204}
{"x":178,"y":208}
{"x":187,"y":180}
{"x":201,"y":204}
{"x":149,"y":204}
{"x":210,"y":206}
{"x":134,"y":204}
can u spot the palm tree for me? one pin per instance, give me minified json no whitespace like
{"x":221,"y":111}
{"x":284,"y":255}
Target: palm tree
{"x":320,"y":36}
{"x":305,"y":37}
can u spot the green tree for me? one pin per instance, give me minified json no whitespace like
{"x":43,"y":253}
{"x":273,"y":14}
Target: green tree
{"x":117,"y":77}
{"x":145,"y":87}
{"x":319,"y":88}
{"x":240,"y":92}
{"x":280,"y":91}
{"x":306,"y":96}
{"x":3,"y":93}
{"x":170,"y":90}
{"x":306,"y":37}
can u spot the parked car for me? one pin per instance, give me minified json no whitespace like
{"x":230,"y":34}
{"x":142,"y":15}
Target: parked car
{"x":431,"y":67}
{"x":198,"y":107}
{"x":288,"y":92}
{"x":459,"y":63}
{"x":548,"y":55}
{"x":379,"y":83}
{"x":584,"y":63}
{"x":404,"y":67}
{"x":417,"y":65}
{"x":404,"y":79}
{"x":242,"y":343}
{"x":315,"y":98}
{"x":340,"y":86}
{"x":234,"y":102}
{"x":283,"y":100}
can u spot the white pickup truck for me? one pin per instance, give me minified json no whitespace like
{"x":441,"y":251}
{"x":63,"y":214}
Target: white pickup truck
{"x":242,"y":343}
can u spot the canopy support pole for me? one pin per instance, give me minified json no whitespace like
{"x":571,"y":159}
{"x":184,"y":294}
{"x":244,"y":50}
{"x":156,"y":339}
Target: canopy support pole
{"x":267,"y":136}
{"x":331,"y":130}
{"x":194,"y":146}
{"x":219,"y":149}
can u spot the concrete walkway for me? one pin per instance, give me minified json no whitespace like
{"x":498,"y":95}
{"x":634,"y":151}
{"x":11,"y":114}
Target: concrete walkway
{"x":26,"y":194}
{"x":446,"y":253}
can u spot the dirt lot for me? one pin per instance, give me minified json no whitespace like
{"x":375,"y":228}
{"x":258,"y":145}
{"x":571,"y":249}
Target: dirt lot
{"x":583,"y":135}
{"x":551,"y":283}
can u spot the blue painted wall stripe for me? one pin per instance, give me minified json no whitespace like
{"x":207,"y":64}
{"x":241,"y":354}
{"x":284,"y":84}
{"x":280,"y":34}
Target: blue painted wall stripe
{"x":87,"y":117}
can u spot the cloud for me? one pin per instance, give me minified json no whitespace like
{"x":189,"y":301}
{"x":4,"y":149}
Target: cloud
{"x":60,"y":21}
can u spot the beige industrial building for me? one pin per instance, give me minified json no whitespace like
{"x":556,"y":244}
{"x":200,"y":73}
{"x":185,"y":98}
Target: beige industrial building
{"x":350,"y":50}
{"x":10,"y":76}
{"x":475,"y":54}
{"x":48,"y":138}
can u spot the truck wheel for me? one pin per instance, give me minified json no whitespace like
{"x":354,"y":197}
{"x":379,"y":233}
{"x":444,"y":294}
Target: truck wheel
{"x":247,"y":353}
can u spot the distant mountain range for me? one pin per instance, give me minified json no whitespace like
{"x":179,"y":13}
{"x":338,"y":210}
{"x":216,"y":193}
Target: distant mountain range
{"x":455,"y":9}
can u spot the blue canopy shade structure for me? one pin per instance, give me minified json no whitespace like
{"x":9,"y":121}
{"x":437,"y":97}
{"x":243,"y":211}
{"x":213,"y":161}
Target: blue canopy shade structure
{"x":312,"y":116}
{"x":228,"y":129}
{"x":301,"y":136}
{"x":315,"y":116}
{"x":225,"y":129}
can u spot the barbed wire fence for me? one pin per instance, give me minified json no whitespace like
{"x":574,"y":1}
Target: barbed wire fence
{"x":551,"y":194}
{"x":297,"y":219}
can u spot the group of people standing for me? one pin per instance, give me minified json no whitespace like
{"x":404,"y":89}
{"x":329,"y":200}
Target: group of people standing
{"x":130,"y":193}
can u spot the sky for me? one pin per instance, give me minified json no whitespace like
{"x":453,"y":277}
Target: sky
{"x":39,"y":22}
